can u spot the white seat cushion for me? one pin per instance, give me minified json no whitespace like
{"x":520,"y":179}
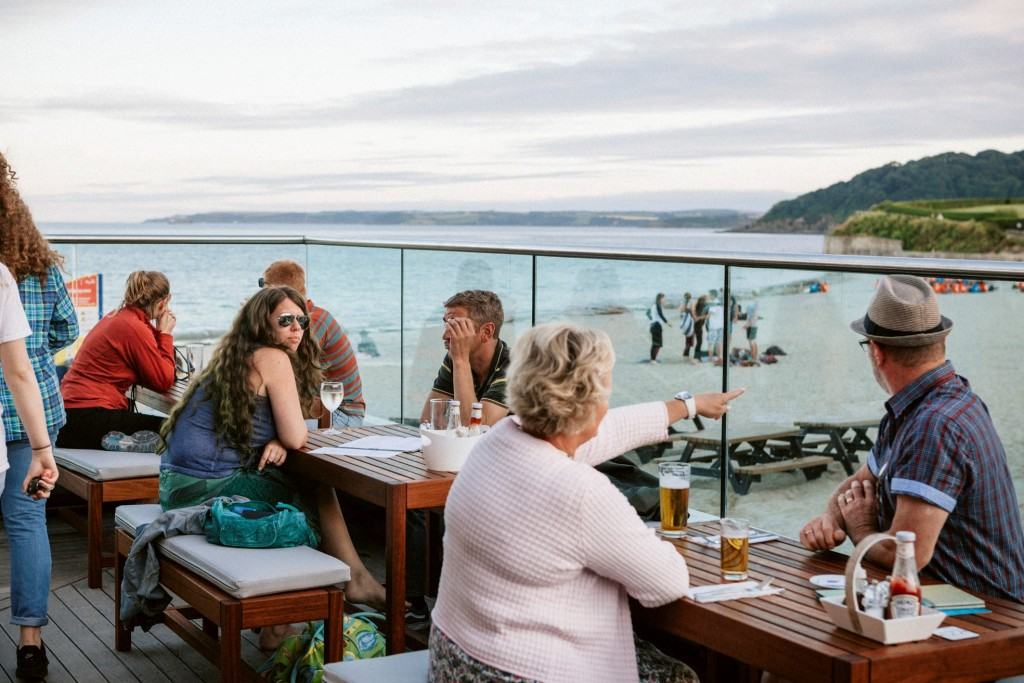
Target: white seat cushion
{"x":108,"y":465}
{"x":408,"y":667}
{"x":131,"y":517}
{"x":241,"y":572}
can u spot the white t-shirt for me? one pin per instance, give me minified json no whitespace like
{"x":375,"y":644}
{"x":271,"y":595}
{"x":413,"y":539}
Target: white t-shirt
{"x":13,"y":325}
{"x":716,"y":316}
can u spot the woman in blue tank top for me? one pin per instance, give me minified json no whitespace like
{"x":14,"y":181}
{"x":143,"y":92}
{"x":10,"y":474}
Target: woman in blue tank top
{"x":231,"y":431}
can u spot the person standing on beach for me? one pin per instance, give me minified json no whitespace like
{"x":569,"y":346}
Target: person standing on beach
{"x":750,"y":325}
{"x":938,"y":467}
{"x":656,"y":317}
{"x":700,"y":316}
{"x":473,"y":370}
{"x":716,"y":324}
{"x":687,"y":324}
{"x":336,"y":354}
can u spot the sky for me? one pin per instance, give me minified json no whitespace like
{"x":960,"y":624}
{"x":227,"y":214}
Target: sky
{"x":115,"y":110}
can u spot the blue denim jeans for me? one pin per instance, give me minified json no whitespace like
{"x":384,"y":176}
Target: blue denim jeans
{"x":340,"y":420}
{"x":25,"y":522}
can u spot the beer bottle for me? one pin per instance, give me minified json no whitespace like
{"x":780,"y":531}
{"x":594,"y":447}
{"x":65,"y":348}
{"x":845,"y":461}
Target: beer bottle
{"x":905,"y":596}
{"x":476,"y":419}
{"x":454,"y":415}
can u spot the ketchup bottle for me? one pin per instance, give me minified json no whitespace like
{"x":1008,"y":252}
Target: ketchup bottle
{"x":905,"y":597}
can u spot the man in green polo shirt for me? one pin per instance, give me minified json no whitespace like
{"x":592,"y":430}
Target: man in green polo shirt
{"x":474,"y":368}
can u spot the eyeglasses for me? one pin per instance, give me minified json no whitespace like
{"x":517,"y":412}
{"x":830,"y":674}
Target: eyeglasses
{"x":287,"y":319}
{"x":864,"y":343}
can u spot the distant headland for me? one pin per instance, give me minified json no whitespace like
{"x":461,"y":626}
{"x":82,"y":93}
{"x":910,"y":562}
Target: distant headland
{"x":697,"y":218}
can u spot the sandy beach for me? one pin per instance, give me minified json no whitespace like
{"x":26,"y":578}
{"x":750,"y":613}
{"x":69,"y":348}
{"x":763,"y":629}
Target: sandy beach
{"x":824,"y":374}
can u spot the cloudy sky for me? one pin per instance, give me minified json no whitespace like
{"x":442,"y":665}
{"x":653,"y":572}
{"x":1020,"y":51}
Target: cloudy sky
{"x":116,"y":110}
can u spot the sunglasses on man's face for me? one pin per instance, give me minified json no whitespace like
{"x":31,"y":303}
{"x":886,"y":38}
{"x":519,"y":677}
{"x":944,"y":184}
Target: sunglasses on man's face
{"x":287,"y":319}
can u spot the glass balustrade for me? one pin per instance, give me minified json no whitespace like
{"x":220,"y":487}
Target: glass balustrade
{"x":812,"y":401}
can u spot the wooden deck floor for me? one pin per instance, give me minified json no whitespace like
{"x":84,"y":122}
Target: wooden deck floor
{"x":80,"y":636}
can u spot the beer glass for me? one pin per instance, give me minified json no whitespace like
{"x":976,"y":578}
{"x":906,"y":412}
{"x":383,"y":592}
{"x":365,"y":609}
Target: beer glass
{"x":735,"y":537}
{"x":674,"y":482}
{"x":439,"y":414}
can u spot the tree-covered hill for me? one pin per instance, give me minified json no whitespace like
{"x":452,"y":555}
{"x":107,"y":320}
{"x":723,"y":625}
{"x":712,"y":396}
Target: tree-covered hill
{"x":945,"y":176}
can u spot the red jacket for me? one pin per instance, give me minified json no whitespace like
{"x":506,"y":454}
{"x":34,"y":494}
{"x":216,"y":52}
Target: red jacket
{"x":123,"y":349}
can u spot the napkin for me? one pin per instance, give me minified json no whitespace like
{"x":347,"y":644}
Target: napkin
{"x":732,"y":591}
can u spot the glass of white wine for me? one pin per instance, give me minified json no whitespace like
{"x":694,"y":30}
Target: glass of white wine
{"x":331,"y":395}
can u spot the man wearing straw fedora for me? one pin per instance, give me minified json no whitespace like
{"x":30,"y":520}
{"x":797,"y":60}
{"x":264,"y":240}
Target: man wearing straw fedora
{"x":938,"y":467}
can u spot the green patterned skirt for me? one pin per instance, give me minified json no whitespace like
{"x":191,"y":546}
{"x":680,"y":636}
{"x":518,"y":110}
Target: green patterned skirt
{"x":273,"y":486}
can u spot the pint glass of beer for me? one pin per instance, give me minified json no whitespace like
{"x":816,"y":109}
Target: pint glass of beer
{"x":674,"y":480}
{"x":735,"y":548}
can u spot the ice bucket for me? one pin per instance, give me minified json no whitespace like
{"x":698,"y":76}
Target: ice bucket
{"x":445,"y":452}
{"x":845,"y":613}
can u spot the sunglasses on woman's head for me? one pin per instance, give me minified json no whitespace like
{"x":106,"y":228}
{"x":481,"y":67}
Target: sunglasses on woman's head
{"x":287,"y":319}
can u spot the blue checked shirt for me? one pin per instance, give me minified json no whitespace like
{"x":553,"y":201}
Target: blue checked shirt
{"x":54,"y":325}
{"x":937,"y":443}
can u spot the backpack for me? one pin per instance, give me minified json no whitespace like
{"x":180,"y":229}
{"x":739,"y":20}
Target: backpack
{"x":300,"y":658}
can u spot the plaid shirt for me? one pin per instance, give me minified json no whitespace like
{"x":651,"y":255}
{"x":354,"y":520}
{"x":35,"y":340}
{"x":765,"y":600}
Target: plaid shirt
{"x":54,"y":325}
{"x":937,"y":443}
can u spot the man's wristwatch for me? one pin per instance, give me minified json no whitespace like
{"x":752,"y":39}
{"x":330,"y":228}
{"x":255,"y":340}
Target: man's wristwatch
{"x":689,"y":401}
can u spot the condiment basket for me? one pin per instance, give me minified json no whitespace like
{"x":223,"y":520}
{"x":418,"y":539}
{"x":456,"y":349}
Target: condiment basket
{"x":845,"y":612}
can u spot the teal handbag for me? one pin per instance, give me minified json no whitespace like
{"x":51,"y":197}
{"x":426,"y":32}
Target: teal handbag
{"x":256,"y":524}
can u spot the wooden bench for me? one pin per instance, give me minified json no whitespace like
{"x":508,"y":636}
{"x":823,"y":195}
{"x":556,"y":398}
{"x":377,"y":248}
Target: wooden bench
{"x":408,"y":667}
{"x":99,"y":477}
{"x":232,"y":589}
{"x":812,"y":465}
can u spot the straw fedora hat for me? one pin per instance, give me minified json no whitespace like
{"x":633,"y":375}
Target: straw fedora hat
{"x":904,"y":312}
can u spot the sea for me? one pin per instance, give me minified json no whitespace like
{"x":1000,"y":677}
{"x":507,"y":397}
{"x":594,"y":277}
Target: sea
{"x":364,"y":287}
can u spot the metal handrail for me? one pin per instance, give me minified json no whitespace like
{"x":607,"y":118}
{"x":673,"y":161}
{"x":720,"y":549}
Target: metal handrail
{"x":995,"y":270}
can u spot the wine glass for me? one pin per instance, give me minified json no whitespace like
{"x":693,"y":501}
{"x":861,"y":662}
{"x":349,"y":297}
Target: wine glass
{"x":331,"y":395}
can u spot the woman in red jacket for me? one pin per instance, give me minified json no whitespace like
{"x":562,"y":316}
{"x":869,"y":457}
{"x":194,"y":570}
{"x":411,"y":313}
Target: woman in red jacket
{"x":123,"y":349}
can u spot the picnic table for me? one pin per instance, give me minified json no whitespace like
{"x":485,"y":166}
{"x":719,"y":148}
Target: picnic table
{"x":790,"y":634}
{"x":754,"y":449}
{"x":843,"y":448}
{"x":397,"y":484}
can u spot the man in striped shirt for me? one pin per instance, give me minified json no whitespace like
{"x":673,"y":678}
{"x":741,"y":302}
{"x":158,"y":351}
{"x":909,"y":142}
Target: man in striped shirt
{"x":474,"y":368}
{"x":336,"y":354}
{"x":938,"y":467}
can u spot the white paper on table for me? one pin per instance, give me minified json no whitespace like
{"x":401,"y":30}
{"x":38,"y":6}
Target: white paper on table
{"x":354,"y":452}
{"x":735,"y":591}
{"x":756,"y":536}
{"x":399,"y":444}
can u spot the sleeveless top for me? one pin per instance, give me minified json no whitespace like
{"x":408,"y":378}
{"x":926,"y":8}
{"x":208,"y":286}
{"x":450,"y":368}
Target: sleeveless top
{"x":194,"y":448}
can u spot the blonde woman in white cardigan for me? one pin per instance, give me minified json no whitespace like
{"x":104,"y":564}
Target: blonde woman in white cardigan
{"x":540,"y":549}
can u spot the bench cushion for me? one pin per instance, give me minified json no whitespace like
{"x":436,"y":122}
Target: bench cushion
{"x":241,"y":572}
{"x":131,"y":517}
{"x":108,"y":465}
{"x":408,"y":667}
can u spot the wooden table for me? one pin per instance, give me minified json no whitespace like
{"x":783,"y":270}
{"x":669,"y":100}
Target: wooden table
{"x":843,"y":448}
{"x":791,"y":635}
{"x":162,"y":402}
{"x":750,"y":453}
{"x":398,"y":484}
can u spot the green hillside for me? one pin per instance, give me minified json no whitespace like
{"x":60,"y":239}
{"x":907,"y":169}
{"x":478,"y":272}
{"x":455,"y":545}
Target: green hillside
{"x":983,"y":225}
{"x":945,"y":176}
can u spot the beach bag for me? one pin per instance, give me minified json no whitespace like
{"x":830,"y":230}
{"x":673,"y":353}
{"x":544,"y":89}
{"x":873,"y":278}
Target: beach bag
{"x":300,"y":658}
{"x":686,"y":325}
{"x":256,"y":524}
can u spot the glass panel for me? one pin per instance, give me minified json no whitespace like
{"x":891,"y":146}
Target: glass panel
{"x":431,"y":277}
{"x":615,"y":296}
{"x":360,"y":286}
{"x":825,"y":378}
{"x":209,"y":282}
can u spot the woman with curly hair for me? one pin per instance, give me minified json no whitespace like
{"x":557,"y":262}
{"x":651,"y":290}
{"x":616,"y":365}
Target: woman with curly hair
{"x":545,"y":599}
{"x":231,"y":431}
{"x":53,"y":325}
{"x":124,"y":349}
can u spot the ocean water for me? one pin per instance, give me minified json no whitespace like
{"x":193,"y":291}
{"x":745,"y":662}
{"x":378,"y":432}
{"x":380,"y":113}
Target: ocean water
{"x":363,"y":286}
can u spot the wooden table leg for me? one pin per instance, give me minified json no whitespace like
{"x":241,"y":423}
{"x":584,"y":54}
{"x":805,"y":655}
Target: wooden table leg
{"x":841,"y":455}
{"x":394,"y":553}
